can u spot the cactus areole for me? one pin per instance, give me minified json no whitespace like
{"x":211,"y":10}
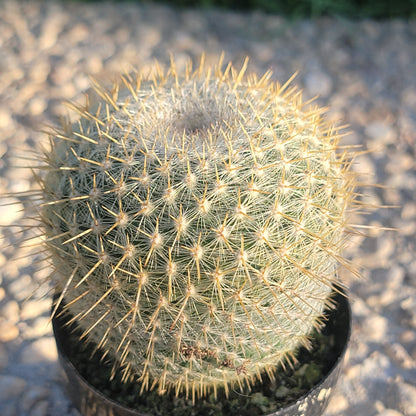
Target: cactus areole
{"x":194,"y":222}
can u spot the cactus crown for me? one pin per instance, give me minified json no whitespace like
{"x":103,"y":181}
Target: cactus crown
{"x":195,"y":224}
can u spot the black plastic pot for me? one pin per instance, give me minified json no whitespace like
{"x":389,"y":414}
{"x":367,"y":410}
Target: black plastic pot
{"x":91,"y":402}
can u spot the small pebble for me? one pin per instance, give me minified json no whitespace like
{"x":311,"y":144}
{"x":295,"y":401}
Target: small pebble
{"x":11,"y":386}
{"x":318,"y":83}
{"x":408,"y":336}
{"x":8,"y":331}
{"x":39,"y":409}
{"x":33,"y":395}
{"x":41,"y":350}
{"x":37,"y":106}
{"x":21,"y":288}
{"x":408,"y":211}
{"x":40,"y":71}
{"x":380,"y":131}
{"x":10,"y":311}
{"x":406,"y":398}
{"x":5,"y":118}
{"x":338,"y":404}
{"x":34,"y":308}
{"x":36,"y":329}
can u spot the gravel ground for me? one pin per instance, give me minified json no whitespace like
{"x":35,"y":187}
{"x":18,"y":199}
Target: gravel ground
{"x":364,"y":71}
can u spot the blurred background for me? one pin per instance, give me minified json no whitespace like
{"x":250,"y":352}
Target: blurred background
{"x":382,"y":9}
{"x":357,"y":58}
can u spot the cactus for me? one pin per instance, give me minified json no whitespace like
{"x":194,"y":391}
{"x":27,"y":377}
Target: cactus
{"x":195,"y":223}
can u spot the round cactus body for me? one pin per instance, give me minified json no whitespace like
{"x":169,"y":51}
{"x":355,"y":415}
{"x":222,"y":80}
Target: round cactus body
{"x":195,"y":224}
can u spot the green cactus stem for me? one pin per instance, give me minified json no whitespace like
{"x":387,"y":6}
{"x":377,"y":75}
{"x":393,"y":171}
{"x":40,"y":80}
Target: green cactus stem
{"x":195,"y":223}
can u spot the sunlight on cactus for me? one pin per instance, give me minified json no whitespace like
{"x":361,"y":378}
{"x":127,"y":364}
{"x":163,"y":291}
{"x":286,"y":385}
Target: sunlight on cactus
{"x":195,"y":222}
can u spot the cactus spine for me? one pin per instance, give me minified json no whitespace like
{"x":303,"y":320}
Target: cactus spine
{"x":195,"y":224}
